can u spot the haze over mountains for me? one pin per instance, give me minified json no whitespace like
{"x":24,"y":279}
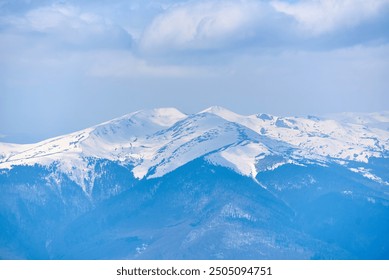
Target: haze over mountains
{"x":158,"y":184}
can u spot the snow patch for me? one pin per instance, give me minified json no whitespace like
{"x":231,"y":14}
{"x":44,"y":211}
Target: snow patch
{"x":367,"y":174}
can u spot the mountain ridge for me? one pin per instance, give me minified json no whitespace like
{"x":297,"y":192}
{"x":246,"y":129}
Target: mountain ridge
{"x":160,"y":184}
{"x":158,"y":141}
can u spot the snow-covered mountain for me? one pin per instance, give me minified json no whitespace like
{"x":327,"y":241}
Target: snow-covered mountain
{"x":230,"y":177}
{"x":156,"y":142}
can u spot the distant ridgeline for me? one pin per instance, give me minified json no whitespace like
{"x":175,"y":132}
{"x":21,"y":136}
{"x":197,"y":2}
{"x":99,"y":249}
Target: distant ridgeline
{"x":160,"y":184}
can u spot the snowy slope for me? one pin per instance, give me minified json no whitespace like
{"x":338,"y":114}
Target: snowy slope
{"x":156,"y":142}
{"x":111,"y":140}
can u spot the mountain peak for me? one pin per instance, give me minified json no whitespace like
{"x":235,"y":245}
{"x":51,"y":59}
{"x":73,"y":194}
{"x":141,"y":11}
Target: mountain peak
{"x":159,"y":116}
{"x":216,"y":109}
{"x":141,"y":122}
{"x":223,"y":113}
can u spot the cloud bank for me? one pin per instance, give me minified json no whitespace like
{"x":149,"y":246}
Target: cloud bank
{"x":67,"y":26}
{"x":202,"y":26}
{"x":208,"y":25}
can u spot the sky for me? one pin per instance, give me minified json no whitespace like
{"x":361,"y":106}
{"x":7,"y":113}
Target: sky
{"x":68,"y":65}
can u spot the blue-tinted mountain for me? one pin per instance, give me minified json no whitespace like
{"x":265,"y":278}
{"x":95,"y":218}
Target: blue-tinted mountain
{"x":160,"y":184}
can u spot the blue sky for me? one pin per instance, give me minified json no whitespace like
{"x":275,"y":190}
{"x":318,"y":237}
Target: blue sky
{"x":67,"y":65}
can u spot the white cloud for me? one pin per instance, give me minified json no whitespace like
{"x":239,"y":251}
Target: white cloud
{"x":225,"y":24}
{"x":66,"y":24}
{"x":321,"y":16}
{"x":202,"y":25}
{"x":167,"y":26}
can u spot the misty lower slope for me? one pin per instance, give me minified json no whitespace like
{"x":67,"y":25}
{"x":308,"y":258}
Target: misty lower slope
{"x":200,"y":211}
